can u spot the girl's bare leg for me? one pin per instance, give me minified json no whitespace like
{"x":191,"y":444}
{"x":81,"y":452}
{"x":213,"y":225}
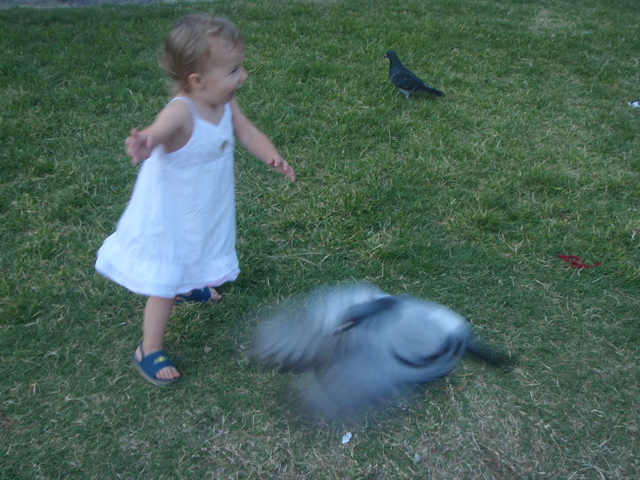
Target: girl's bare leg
{"x":154,"y":325}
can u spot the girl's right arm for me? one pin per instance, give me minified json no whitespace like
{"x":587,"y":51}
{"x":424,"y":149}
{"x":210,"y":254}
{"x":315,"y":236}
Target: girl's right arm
{"x":171,"y":128}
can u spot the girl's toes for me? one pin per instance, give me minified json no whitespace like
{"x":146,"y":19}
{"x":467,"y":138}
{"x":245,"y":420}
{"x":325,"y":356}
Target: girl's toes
{"x":167,"y":374}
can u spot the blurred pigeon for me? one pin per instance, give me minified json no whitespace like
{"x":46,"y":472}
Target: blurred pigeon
{"x":364,"y":345}
{"x":405,"y":80}
{"x":635,"y":104}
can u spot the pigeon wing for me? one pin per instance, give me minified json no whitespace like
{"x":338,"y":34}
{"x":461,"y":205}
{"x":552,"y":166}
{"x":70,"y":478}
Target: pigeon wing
{"x":407,"y":81}
{"x":305,"y":334}
{"x":293,"y":342}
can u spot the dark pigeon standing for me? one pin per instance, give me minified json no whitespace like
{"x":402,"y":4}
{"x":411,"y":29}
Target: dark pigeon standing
{"x":405,"y":80}
{"x":363,"y":345}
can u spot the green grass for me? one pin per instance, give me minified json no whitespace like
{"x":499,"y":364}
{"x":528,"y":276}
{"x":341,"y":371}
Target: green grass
{"x":466,"y":200}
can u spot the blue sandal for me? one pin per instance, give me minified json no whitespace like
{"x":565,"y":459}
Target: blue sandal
{"x":152,"y":364}
{"x":198,"y":295}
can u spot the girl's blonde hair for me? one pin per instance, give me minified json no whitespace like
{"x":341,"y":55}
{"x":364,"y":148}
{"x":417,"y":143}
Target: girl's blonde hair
{"x":186,"y":49}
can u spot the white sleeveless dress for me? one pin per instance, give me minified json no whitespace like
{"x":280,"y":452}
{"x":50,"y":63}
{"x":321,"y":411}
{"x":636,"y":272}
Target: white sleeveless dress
{"x":178,"y":231}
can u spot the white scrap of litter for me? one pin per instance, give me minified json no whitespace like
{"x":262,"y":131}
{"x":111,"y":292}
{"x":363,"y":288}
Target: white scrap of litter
{"x":346,"y":438}
{"x":635,"y":104}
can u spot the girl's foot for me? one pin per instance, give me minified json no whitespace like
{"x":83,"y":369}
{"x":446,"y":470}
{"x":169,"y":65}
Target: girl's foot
{"x":201,"y":295}
{"x":164,"y":375}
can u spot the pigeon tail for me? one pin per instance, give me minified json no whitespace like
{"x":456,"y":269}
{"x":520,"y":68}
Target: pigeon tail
{"x":432,"y":91}
{"x":486,"y":352}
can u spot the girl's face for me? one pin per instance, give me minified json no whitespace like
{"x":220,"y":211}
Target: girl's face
{"x":224,"y":73}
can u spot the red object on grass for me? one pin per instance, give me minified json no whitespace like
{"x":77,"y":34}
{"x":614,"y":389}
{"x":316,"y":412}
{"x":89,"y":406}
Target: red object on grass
{"x":576,"y":262}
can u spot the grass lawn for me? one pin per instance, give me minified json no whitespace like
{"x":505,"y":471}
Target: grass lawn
{"x":466,"y":200}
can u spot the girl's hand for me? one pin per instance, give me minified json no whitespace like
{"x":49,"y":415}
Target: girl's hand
{"x":138,"y":146}
{"x":280,"y":165}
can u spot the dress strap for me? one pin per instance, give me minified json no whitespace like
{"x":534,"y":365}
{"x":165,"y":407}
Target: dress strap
{"x":188,"y":103}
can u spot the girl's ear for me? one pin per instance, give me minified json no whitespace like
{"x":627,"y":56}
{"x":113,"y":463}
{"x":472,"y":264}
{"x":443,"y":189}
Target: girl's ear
{"x":195,"y":80}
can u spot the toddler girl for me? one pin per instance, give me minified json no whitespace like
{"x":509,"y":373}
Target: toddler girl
{"x":177,"y":234}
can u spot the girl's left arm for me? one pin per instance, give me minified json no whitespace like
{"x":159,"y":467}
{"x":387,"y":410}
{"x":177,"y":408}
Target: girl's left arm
{"x":257,"y":143}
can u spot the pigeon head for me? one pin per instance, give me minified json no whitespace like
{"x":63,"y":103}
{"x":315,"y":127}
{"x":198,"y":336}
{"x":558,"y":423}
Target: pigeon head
{"x":393,"y":59}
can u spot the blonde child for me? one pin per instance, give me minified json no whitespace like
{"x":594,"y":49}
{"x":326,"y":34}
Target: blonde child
{"x":176,"y":237}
